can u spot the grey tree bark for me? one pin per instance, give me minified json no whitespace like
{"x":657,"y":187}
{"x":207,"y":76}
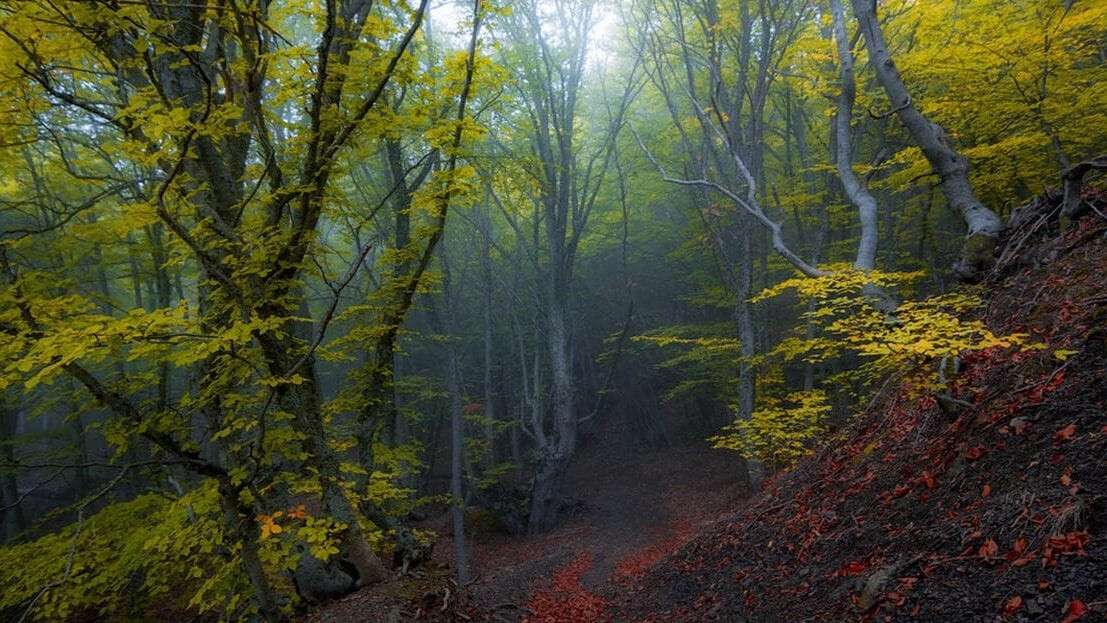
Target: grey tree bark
{"x":856,"y":190}
{"x":445,"y":319}
{"x":984,"y":225}
{"x":490,"y":425}
{"x":550,"y":87}
{"x":457,"y":461}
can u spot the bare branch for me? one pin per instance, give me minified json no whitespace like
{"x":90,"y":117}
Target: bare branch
{"x":752,"y":208}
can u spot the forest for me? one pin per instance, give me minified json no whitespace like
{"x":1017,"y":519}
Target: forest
{"x":554,"y":311}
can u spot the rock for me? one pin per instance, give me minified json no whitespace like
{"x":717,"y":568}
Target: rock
{"x":873,"y":590}
{"x":316,"y":580}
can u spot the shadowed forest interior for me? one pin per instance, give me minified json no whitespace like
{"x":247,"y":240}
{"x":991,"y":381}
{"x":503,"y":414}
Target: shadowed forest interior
{"x":553,"y":311}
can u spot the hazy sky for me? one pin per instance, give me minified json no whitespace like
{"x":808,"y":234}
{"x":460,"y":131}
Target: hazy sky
{"x":450,"y":17}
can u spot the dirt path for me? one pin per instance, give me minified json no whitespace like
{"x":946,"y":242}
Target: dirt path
{"x":633,"y":510}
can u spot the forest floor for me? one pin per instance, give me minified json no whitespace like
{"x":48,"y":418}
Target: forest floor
{"x":628,"y":510}
{"x":631,"y":510}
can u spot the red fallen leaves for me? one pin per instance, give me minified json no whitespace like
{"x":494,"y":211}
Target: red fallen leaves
{"x":927,"y":479}
{"x":1074,"y":610}
{"x":856,"y":567}
{"x":1018,"y":556}
{"x":1072,"y":544}
{"x":898,"y":597}
{"x":986,"y":490}
{"x":1064,"y":434}
{"x":567,"y":601}
{"x":1012,"y":605}
{"x":636,"y":564}
{"x":1037,"y":395}
{"x":988,"y":550}
{"x":975,"y":453}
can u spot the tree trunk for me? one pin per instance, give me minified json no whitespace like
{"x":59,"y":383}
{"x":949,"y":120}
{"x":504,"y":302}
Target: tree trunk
{"x":163,"y":289}
{"x":743,"y":318}
{"x":241,"y":525}
{"x":489,"y":398}
{"x":15,"y":520}
{"x":457,"y":448}
{"x":136,"y":273}
{"x":984,"y":226}
{"x":858,"y":194}
{"x":556,"y":453}
{"x":446,"y":322}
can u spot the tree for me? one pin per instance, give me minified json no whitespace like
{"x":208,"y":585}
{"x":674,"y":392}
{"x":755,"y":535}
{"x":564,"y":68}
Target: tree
{"x":984,"y":226}
{"x":552,"y":47}
{"x":855,"y":189}
{"x":187,"y":100}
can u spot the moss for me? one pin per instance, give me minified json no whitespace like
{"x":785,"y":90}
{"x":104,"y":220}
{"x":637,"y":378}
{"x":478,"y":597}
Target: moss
{"x":977,"y":256}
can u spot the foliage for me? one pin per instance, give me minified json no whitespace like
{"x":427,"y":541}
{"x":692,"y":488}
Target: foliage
{"x":908,"y":341}
{"x":105,"y":568}
{"x":706,"y":356}
{"x":225,"y":231}
{"x":780,"y":431}
{"x":1018,"y":81}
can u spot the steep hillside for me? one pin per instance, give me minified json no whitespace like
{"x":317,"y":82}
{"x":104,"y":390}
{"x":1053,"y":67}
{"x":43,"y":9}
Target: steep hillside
{"x":994,"y":508}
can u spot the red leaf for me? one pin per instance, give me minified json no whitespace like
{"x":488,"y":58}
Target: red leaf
{"x":986,"y":491}
{"x":1074,"y":610}
{"x":1065,"y":433}
{"x":988,"y":550}
{"x":973,"y":454}
{"x":1012,"y":605}
{"x":1017,"y":556}
{"x":853,"y":568}
{"x":927,"y":479}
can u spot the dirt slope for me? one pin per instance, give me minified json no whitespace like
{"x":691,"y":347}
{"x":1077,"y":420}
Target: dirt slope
{"x":998,"y":512}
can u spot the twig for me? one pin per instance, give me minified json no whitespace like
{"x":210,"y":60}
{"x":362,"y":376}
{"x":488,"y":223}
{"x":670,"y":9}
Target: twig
{"x":885,"y":115}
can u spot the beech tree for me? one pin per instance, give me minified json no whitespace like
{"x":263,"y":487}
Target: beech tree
{"x":285,"y":285}
{"x":189,"y":99}
{"x":552,"y":47}
{"x":984,"y":226}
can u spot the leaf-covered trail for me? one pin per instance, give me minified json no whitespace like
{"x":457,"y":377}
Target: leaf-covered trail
{"x":629,"y":512}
